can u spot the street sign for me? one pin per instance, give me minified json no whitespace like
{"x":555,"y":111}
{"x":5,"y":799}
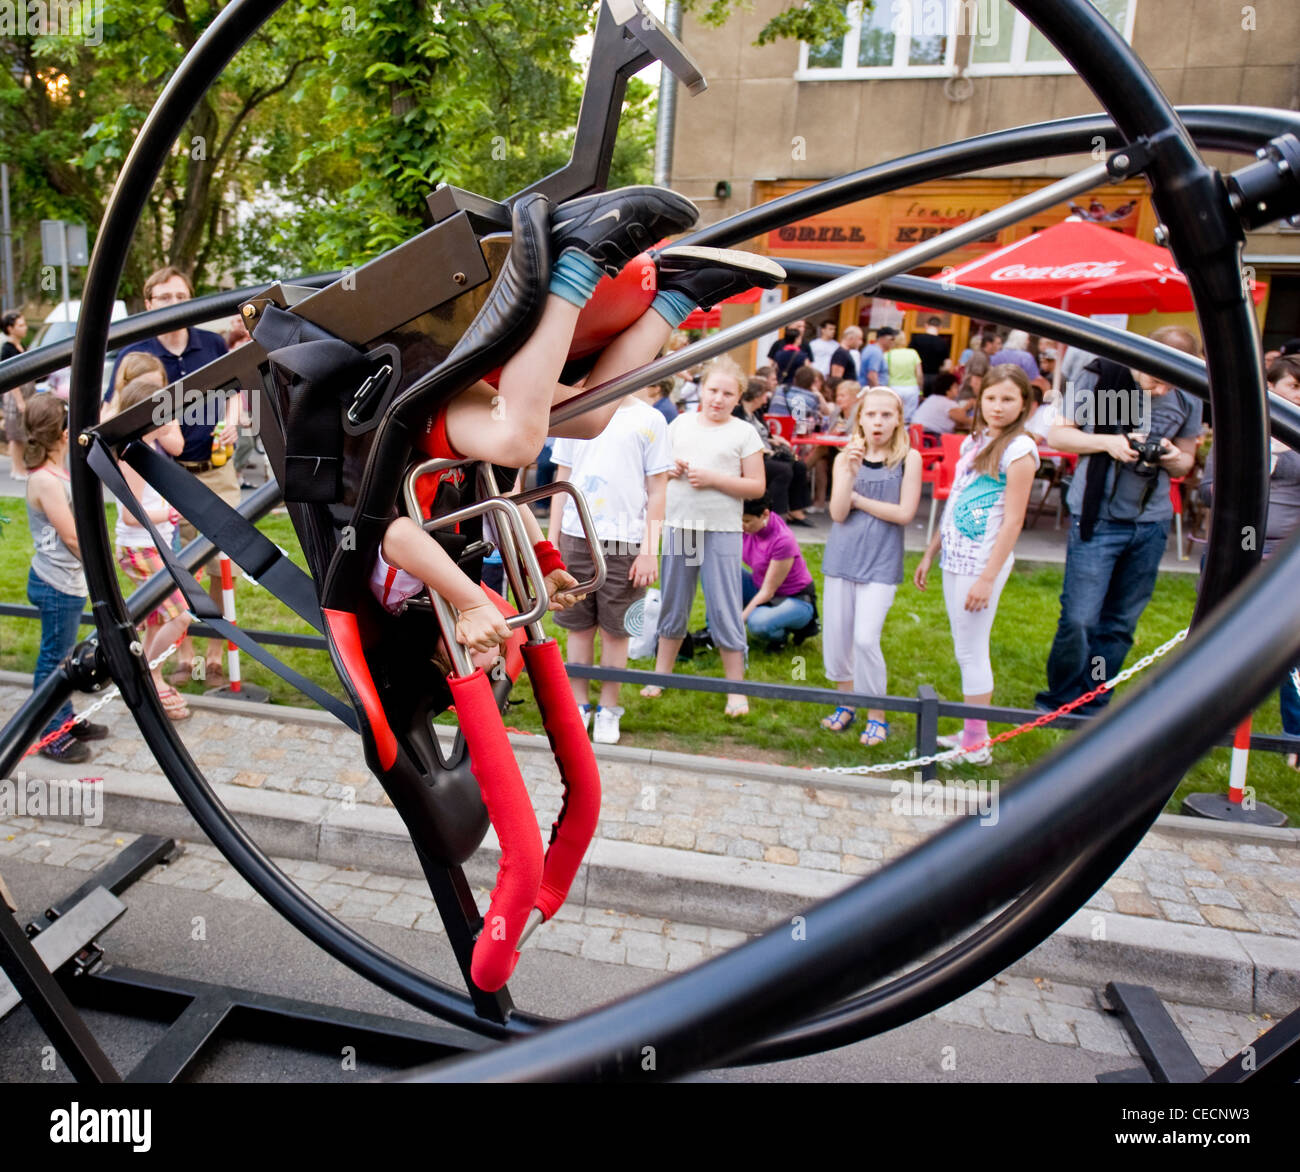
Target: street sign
{"x":54,"y":234}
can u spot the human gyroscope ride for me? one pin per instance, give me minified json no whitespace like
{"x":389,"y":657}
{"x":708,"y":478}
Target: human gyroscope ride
{"x":374,"y":390}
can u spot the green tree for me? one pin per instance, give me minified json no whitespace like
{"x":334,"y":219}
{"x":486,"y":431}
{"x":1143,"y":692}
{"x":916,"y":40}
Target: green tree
{"x":319,"y":143}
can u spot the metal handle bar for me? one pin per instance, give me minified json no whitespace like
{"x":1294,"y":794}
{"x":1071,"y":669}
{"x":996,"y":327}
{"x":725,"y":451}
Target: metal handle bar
{"x":588,"y":527}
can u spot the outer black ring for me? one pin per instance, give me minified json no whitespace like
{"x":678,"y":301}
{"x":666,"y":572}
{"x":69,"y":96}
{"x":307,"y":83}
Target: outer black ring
{"x":222,"y":40}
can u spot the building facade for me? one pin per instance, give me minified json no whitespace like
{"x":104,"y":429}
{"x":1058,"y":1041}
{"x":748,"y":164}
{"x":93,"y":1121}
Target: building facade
{"x":915,"y":74}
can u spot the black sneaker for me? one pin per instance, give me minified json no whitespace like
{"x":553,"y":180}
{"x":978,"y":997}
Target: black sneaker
{"x":66,"y":749}
{"x":812,"y":630}
{"x":710,"y":275}
{"x":615,"y":226}
{"x":86,"y":730}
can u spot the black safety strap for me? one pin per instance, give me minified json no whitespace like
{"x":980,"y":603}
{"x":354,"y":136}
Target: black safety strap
{"x":104,"y":466}
{"x":229,"y":530}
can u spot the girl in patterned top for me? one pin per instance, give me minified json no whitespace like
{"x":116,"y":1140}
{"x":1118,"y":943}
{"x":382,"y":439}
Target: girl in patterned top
{"x":983,"y":518}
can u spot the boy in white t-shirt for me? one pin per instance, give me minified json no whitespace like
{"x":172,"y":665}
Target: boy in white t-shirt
{"x":623,"y":473}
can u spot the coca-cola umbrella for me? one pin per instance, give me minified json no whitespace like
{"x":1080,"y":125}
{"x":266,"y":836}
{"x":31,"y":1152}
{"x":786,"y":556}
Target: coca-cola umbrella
{"x":1084,"y":268}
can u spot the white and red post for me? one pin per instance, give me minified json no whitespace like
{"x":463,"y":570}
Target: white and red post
{"x":1240,"y":760}
{"x":228,"y":613}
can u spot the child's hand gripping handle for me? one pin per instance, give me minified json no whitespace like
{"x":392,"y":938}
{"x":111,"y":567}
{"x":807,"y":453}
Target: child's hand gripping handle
{"x":519,"y":873}
{"x":580,"y":812}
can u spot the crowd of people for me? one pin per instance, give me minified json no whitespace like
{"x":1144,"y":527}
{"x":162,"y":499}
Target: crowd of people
{"x":698,"y":483}
{"x":56,"y":584}
{"x":1005,"y":397}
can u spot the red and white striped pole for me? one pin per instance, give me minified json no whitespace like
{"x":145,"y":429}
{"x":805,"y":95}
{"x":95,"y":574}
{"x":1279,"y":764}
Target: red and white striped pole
{"x":1240,"y":759}
{"x":228,"y":613}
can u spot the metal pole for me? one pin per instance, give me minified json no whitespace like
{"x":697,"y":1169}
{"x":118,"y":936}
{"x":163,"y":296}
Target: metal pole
{"x":67,"y":307}
{"x":6,"y":231}
{"x":665,"y":129}
{"x":833,"y":292}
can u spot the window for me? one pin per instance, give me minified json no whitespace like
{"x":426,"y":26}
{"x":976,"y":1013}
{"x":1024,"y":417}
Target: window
{"x":919,"y":38}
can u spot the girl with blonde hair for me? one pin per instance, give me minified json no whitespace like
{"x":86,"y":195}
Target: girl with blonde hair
{"x":875,"y":492}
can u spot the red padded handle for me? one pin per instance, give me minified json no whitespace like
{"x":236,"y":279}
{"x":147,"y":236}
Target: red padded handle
{"x":580,"y":812}
{"x":519,"y":873}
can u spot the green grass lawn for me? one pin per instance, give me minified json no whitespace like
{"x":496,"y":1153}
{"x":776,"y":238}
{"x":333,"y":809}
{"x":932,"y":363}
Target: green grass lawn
{"x":917,"y":647}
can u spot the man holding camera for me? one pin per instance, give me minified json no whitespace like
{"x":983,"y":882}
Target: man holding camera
{"x":1133,"y":433}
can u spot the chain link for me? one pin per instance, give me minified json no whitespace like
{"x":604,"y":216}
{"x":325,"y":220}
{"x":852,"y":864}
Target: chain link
{"x":86,"y":713}
{"x":1038,"y":722}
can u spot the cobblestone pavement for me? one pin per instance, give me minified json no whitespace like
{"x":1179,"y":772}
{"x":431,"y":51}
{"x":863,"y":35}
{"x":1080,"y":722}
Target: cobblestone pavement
{"x":1243,"y":887}
{"x":1063,"y":1015}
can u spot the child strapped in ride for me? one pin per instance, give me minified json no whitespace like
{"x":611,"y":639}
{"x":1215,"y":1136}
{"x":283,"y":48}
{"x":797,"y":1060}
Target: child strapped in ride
{"x":507,"y":425}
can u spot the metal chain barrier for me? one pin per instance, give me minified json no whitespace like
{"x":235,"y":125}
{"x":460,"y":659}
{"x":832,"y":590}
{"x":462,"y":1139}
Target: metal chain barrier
{"x":1047,"y":718}
{"x":81,"y":717}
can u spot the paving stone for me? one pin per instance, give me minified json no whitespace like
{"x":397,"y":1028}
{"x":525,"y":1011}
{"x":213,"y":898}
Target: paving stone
{"x":429,"y":922}
{"x":1259,"y":854}
{"x":646,"y":951}
{"x":1135,"y":904}
{"x":723,"y":938}
{"x":693,"y":932}
{"x":1181,"y":913}
{"x":819,"y":860}
{"x":1018,"y":987}
{"x":1215,"y":897}
{"x":1101,"y":1036}
{"x":1048,"y":1029}
{"x":1223,"y":917}
{"x":743,"y":848}
{"x":961,"y":1014}
{"x":684,"y":954}
{"x":1008,"y":1021}
{"x":781,"y":854}
{"x":600,"y":946}
{"x":383,"y":882}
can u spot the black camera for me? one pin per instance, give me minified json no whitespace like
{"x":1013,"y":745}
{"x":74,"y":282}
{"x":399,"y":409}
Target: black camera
{"x":1149,"y":451}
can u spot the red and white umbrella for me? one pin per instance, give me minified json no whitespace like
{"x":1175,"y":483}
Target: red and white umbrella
{"x":1084,"y":268}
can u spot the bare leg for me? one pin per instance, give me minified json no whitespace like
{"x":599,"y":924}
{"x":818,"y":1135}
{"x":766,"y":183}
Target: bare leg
{"x":509,"y":426}
{"x":159,"y":640}
{"x":635,"y":346}
{"x":580,"y":649}
{"x":665,"y":658}
{"x":733,"y":667}
{"x":613,"y":653}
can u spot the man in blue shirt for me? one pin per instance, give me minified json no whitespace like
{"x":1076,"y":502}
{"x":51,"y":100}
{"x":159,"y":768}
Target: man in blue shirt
{"x":873,"y":370}
{"x":182,"y":352}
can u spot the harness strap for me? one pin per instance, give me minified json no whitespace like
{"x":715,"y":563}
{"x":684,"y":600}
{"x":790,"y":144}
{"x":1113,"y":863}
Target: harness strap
{"x":102,"y":463}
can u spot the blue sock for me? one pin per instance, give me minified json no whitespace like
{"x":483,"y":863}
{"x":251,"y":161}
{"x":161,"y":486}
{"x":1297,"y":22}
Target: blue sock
{"x":575,"y":277}
{"x":672,"y":306}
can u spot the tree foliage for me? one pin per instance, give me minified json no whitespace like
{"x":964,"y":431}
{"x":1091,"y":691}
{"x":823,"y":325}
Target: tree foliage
{"x":318,"y":144}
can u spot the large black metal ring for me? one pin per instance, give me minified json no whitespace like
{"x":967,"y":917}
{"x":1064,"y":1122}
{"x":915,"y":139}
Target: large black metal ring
{"x":1204,"y":242}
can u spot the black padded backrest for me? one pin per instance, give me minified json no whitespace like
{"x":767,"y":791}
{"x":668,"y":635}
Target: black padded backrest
{"x":509,"y":315}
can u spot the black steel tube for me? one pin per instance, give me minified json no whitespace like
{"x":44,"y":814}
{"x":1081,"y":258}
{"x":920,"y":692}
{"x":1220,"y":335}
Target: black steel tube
{"x":1210,"y":257}
{"x":35,"y":363}
{"x":1222,"y":128}
{"x":1183,"y":370}
{"x":1105,"y":779}
{"x":200,"y":69}
{"x":1191,"y":200}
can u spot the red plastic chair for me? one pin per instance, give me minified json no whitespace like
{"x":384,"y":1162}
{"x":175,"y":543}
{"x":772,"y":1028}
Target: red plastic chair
{"x":931,"y":452}
{"x":944,"y":472}
{"x":782,"y":425}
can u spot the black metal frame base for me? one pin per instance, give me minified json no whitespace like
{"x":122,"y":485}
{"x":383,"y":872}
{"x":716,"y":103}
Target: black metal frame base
{"x":198,"y":1014}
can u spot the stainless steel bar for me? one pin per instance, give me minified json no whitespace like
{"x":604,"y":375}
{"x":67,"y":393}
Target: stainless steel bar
{"x":833,"y":292}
